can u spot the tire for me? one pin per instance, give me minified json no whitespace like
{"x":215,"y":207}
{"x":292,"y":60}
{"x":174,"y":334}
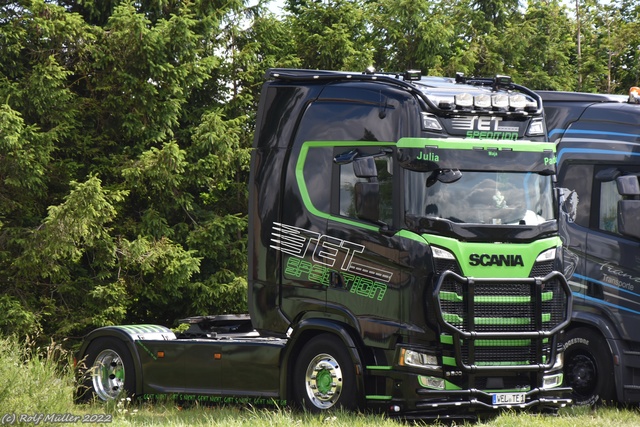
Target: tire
{"x":588,"y":367}
{"x":324,"y":376}
{"x":108,"y":371}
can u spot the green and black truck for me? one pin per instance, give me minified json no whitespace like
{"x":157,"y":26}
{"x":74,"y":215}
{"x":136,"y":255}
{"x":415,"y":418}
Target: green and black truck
{"x":403,"y":257}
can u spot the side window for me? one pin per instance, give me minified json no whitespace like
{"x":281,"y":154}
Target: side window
{"x":347,"y":191}
{"x":608,"y":216}
{"x":576,"y":184}
{"x":609,"y":196}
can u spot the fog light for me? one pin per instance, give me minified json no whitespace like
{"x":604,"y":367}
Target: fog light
{"x":431,"y":382}
{"x":551,"y":381}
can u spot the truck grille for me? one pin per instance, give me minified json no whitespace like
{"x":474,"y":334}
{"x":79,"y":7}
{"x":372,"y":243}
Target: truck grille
{"x":514,"y":315}
{"x":502,"y":307}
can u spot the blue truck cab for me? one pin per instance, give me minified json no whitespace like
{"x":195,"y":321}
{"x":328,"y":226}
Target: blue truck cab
{"x":598,"y":149}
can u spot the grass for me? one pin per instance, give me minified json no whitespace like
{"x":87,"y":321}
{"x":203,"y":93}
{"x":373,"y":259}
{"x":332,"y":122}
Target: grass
{"x":39,"y":381}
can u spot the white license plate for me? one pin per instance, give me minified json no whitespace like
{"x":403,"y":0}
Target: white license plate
{"x":508,"y":398}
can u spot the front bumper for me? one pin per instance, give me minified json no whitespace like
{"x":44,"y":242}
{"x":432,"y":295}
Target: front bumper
{"x":409,"y":399}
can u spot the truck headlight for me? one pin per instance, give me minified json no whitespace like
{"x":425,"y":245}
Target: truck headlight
{"x":548,"y":255}
{"x":417,"y":359}
{"x":441,"y":253}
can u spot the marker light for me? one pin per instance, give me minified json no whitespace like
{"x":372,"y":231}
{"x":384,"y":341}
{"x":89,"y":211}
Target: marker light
{"x":430,"y":122}
{"x":536,"y":128}
{"x":634,"y":95}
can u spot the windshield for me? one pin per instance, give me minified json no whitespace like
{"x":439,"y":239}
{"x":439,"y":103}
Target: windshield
{"x":518,"y":198}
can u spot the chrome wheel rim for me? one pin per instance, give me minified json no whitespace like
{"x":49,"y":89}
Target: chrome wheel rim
{"x":108,"y":375}
{"x":323,"y":381}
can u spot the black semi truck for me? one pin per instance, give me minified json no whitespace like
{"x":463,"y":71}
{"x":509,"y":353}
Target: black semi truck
{"x":598,"y":139}
{"x":404,"y":256}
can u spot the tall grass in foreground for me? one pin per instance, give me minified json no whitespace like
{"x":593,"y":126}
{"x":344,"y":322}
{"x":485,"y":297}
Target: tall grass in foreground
{"x":34,"y":379}
{"x":41,"y":381}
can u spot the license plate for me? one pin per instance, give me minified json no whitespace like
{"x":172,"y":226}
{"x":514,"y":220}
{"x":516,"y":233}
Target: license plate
{"x":508,"y":398}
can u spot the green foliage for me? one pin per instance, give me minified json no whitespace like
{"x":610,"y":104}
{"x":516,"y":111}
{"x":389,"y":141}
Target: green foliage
{"x":331,"y":35}
{"x":34,"y":379}
{"x":126,"y":129}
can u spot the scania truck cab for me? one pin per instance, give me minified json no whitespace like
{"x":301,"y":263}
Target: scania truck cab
{"x":403,"y":256}
{"x":598,"y":139}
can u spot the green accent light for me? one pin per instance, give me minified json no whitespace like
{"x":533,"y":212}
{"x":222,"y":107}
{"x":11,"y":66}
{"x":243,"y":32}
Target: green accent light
{"x":454,"y":297}
{"x":510,"y":363}
{"x":376,"y":397}
{"x":449,"y":361}
{"x":451,"y":386}
{"x":446,"y":339}
{"x":465,"y":144}
{"x":503,"y":343}
{"x":379,"y":368}
{"x":454,"y":319}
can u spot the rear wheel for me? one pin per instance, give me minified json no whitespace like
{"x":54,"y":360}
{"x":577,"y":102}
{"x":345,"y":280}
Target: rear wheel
{"x":588,"y":367}
{"x":109,"y":371}
{"x":324,"y":376}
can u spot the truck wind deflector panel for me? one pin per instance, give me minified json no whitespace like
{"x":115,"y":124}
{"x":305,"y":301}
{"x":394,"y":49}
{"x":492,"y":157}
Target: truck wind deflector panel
{"x":424,"y":155}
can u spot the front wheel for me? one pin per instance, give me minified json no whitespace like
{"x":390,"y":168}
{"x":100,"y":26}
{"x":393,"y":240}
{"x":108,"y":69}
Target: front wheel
{"x":588,"y":367}
{"x":109,"y":371}
{"x":324,"y":376}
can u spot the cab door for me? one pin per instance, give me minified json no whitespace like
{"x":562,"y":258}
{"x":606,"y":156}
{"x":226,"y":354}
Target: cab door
{"x":614,"y":253}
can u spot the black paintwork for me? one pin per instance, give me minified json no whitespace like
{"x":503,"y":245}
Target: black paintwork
{"x":375,"y":315}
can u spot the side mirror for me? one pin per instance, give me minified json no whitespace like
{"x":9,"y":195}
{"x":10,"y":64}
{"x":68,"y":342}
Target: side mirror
{"x":629,"y":218}
{"x":628,"y":185}
{"x":365,"y":167}
{"x":367,"y":201}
